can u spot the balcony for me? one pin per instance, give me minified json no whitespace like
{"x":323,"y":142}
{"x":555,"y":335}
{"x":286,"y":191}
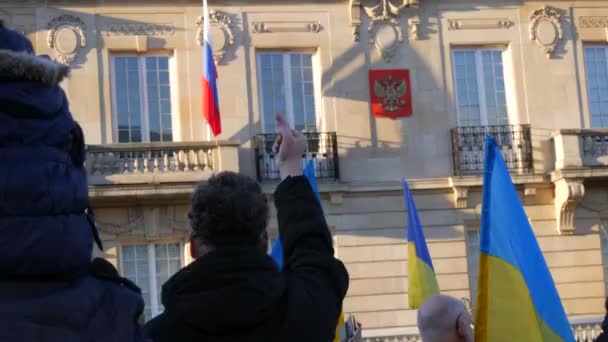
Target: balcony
{"x":577,"y":149}
{"x":515,"y":144}
{"x":158,"y":163}
{"x":322,"y":149}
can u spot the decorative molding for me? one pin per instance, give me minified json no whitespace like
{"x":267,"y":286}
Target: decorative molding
{"x":382,"y":13}
{"x":286,"y":26}
{"x":223,"y":21}
{"x":461,"y":196}
{"x":139,"y":29}
{"x":546,"y":29}
{"x":134,"y":222}
{"x":529,"y":193}
{"x":479,"y":23}
{"x":336,"y":198}
{"x":355,"y":18}
{"x":66,"y":37}
{"x":414,"y":28}
{"x":568,"y":194}
{"x":593,"y":22}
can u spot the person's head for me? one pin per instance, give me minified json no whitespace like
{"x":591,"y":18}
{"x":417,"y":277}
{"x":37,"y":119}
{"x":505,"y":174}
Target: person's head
{"x":443,"y":318}
{"x":228,"y":210}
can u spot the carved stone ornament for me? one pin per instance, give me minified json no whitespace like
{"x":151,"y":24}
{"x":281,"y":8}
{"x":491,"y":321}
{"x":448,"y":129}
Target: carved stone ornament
{"x":139,"y":29}
{"x":593,"y":22}
{"x":134,"y":222}
{"x":286,"y":26}
{"x":384,"y":30}
{"x":546,"y":29}
{"x":66,"y":37}
{"x":479,"y":23}
{"x":568,"y":194}
{"x":461,"y":197}
{"x":414,"y":28}
{"x":223,"y":22}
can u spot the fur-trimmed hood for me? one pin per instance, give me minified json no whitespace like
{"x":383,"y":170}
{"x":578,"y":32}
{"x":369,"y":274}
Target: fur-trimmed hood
{"x":23,"y":66}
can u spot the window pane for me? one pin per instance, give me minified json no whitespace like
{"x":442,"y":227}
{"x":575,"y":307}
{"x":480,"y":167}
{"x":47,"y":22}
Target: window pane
{"x":135,"y":267}
{"x":159,"y":97}
{"x":494,"y":87}
{"x":597,"y":84}
{"x":272,"y":89}
{"x":127,"y":98}
{"x":467,"y":94}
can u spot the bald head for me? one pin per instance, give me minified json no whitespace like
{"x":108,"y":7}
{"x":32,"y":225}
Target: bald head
{"x":444,"y":319}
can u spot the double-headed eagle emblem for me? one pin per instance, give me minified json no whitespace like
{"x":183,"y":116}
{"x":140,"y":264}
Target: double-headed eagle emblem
{"x":392,"y":92}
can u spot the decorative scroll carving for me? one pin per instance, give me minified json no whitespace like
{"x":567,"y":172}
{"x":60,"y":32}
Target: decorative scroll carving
{"x":66,"y":37}
{"x":593,"y":22}
{"x":384,"y":29}
{"x":480,"y":23}
{"x":568,"y":194}
{"x":546,"y":29}
{"x":414,"y":26}
{"x":461,"y":196}
{"x":139,"y":29}
{"x":224,"y":23}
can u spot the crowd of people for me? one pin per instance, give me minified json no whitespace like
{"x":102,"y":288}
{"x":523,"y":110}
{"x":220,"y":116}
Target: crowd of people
{"x":52,"y":290}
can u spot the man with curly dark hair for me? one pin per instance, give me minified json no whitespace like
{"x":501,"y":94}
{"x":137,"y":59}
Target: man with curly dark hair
{"x":234,"y":291}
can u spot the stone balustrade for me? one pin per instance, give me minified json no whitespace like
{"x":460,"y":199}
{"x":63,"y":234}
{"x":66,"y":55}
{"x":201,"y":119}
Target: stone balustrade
{"x":157,"y":163}
{"x":580,"y":148}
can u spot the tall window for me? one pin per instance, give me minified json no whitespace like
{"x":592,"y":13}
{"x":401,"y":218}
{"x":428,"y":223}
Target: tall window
{"x":141,"y":98}
{"x":480,"y":87}
{"x":150,"y":266}
{"x":596,"y":67}
{"x":287,"y":87}
{"x":472,"y":240}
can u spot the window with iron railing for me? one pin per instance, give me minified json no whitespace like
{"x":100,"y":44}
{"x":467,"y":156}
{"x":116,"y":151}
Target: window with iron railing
{"x":321,"y":148}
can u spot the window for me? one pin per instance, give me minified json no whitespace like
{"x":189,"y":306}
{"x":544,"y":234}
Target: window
{"x":142,"y":98}
{"x":480,"y":87}
{"x":597,"y":84}
{"x":286,"y":86}
{"x":150,"y":266}
{"x":472,"y":241}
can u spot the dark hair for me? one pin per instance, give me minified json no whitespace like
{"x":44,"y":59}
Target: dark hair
{"x":1,"y":24}
{"x":229,"y":209}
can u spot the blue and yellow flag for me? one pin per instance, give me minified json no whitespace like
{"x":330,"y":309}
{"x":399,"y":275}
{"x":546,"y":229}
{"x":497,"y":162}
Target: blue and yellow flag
{"x":516,"y":296}
{"x":422,"y":282}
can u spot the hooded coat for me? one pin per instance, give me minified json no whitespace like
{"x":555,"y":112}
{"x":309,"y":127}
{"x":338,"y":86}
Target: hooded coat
{"x":238,"y":293}
{"x":50,"y":290}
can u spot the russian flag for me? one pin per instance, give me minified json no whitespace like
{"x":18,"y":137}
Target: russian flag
{"x":210,"y":104}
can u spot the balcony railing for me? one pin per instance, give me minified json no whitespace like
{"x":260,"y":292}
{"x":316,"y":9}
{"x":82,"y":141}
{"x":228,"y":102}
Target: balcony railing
{"x":157,"y":162}
{"x":515,"y":145}
{"x":581,"y":148}
{"x":322,"y":149}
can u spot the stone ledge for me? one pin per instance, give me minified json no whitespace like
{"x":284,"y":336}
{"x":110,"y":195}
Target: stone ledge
{"x":600,"y":172}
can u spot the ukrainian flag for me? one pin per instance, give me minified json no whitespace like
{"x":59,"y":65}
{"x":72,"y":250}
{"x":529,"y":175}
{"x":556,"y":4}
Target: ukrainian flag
{"x":422,"y":282}
{"x":516,"y":297}
{"x":277,"y":249}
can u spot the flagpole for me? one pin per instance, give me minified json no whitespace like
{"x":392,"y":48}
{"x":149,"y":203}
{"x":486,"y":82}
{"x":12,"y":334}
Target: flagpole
{"x":205,"y":18}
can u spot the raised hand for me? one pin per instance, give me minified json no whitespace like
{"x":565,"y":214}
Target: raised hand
{"x":288,"y":148}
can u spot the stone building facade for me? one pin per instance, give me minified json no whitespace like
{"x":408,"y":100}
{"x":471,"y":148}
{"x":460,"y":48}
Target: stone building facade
{"x":534,"y":74}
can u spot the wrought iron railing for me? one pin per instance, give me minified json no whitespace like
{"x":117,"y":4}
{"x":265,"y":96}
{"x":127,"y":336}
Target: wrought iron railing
{"x":322,"y":149}
{"x":515,"y":145}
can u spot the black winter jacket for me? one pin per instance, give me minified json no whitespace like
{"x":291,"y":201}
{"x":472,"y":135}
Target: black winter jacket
{"x":238,"y":293}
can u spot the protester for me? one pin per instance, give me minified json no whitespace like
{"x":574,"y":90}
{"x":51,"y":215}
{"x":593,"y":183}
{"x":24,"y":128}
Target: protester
{"x":603,"y":337}
{"x":443,"y":318}
{"x":234,"y":291}
{"x":49,"y":288}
